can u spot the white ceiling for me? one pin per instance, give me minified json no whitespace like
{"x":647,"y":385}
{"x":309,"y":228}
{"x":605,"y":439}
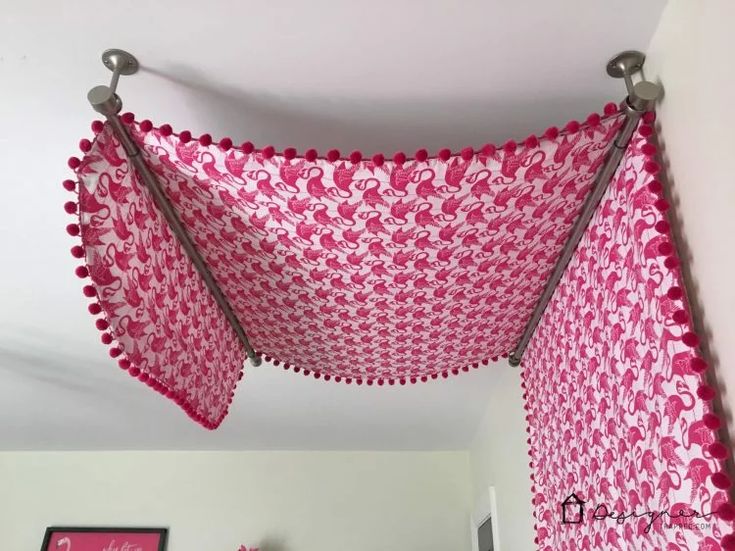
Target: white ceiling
{"x":378,"y":75}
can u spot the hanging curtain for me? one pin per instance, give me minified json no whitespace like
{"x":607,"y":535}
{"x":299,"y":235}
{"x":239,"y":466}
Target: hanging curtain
{"x":618,"y":412}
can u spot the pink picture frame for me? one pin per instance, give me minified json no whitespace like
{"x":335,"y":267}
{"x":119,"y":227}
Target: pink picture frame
{"x":63,"y":538}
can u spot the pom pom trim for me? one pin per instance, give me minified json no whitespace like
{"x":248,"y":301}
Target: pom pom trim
{"x":378,"y":159}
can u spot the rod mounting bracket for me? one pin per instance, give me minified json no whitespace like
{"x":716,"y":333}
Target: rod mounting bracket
{"x":625,"y":64}
{"x":120,"y":61}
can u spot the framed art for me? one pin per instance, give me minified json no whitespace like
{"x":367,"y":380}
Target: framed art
{"x":64,"y":538}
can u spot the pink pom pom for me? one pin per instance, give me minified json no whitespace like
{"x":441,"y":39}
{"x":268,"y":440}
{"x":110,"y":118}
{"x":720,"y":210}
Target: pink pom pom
{"x":146,"y":126}
{"x":74,"y":163}
{"x":296,"y":369}
{"x":94,"y":308}
{"x":225,"y":144}
{"x":369,"y":382}
{"x":115,"y":352}
{"x":391,"y":382}
{"x":166,"y":130}
{"x":97,"y":126}
{"x":70,"y":207}
{"x":402,"y":381}
{"x":69,"y":185}
{"x":81,"y":272}
{"x":531,"y":142}
{"x":327,"y":377}
{"x":445,"y":374}
{"x":124,"y":364}
{"x":455,"y":371}
{"x":311,"y":155}
{"x":399,"y":158}
{"x":85,"y":145}
{"x":698,"y":365}
{"x":89,"y":291}
{"x":488,"y":150}
{"x":726,"y":512}
{"x":572,"y":126}
{"x":444,"y":154}
{"x":551,"y":133}
{"x":465,"y":368}
{"x":706,"y":392}
{"x":378,"y":159}
{"x":665,"y":248}
{"x":593,"y":119}
{"x":106,"y":338}
{"x":134,"y":372}
{"x":680,"y":316}
{"x":671,"y":262}
{"x":649,"y":117}
{"x":247,"y":147}
{"x":655,"y":186}
{"x":424,"y":378}
{"x":355,"y":157}
{"x":675,"y":293}
{"x":205,"y":140}
{"x":338,"y":379}
{"x":317,"y":375}
{"x":276,"y":362}
{"x":610,"y":109}
{"x":289,"y":153}
{"x":467,"y":153}
{"x":690,"y":339}
{"x":333,"y":155}
{"x":413,"y":380}
{"x":662,"y":205}
{"x":421,"y":155}
{"x":645,"y":130}
{"x":127,"y":118}
{"x":662,"y":226}
{"x":434,"y":376}
{"x":510,"y":146}
{"x":651,"y":167}
{"x":711,"y":421}
{"x":77,"y":251}
{"x":358,"y":381}
{"x":101,"y":324}
{"x":721,"y":481}
{"x":648,"y":149}
{"x":268,"y":151}
{"x":717,"y":450}
{"x":185,"y":136}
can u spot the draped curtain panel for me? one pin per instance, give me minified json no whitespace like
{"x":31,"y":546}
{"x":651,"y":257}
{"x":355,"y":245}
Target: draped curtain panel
{"x":365,"y":271}
{"x":618,"y":411}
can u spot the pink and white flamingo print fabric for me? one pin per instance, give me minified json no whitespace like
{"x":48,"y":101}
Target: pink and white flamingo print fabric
{"x":616,"y":403}
{"x":163,"y":323}
{"x":356,"y":270}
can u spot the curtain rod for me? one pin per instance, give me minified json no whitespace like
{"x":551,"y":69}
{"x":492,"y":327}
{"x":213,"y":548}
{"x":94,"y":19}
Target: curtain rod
{"x":105,"y":101}
{"x":642,"y":97}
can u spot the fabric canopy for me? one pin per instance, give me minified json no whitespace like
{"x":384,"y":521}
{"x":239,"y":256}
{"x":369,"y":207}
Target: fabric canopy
{"x":358,"y":270}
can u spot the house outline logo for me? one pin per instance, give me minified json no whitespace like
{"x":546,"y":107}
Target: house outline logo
{"x":572,"y":510}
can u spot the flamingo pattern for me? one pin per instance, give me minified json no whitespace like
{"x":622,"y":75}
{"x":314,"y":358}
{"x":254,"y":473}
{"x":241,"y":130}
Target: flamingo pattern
{"x":361,"y":271}
{"x":612,"y":384}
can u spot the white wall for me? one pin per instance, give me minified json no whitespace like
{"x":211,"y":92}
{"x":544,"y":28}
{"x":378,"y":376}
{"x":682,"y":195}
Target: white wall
{"x":215,"y":501}
{"x":692,"y":53}
{"x":499,"y":458}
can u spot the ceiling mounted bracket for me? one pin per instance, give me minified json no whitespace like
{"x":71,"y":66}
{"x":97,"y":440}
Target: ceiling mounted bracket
{"x":104,"y":99}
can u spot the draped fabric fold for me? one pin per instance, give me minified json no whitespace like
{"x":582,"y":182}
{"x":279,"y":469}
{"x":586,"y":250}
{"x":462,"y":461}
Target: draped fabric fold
{"x":366,"y":271}
{"x":618,"y":410}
